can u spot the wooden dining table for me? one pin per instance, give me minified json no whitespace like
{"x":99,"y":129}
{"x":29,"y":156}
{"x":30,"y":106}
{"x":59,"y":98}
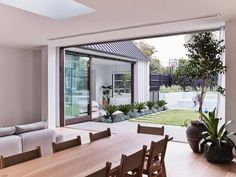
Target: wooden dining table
{"x":82,"y":160}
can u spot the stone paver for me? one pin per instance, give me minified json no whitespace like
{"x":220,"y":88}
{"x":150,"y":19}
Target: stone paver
{"x":178,"y":133}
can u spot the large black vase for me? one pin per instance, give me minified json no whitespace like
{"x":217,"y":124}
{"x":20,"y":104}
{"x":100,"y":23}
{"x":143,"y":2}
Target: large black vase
{"x":194,"y":135}
{"x":216,"y":154}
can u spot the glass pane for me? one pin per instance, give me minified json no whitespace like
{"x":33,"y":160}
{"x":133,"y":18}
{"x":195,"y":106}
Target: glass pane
{"x":122,"y":84}
{"x":76,"y":86}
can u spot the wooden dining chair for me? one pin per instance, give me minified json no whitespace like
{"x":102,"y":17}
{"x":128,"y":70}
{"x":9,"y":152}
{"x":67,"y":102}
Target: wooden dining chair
{"x":104,"y":172}
{"x":132,"y":165}
{"x":155,"y":163}
{"x":66,"y":144}
{"x":20,"y":158}
{"x":100,"y":135}
{"x":150,"y":130}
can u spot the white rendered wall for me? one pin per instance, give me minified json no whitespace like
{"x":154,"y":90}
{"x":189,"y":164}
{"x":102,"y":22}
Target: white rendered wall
{"x":20,"y":101}
{"x":230,"y":59}
{"x":141,"y":81}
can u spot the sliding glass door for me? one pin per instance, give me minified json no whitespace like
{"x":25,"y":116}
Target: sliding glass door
{"x":76,"y":88}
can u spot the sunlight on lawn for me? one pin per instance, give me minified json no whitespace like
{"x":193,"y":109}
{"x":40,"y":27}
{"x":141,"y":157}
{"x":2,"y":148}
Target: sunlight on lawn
{"x":170,"y":117}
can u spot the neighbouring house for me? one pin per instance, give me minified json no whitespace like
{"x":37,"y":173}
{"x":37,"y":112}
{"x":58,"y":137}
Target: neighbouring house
{"x":121,"y":66}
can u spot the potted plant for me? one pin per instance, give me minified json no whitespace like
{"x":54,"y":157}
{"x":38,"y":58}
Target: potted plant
{"x":204,"y":64}
{"x":106,"y":94}
{"x":218,"y":146}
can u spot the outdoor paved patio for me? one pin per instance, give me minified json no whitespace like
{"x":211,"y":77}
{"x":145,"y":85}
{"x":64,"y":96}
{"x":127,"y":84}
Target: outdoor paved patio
{"x":177,"y":132}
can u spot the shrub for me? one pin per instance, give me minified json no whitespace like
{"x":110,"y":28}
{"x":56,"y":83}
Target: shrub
{"x":126,"y":108}
{"x":150,"y":104}
{"x":139,"y":106}
{"x":160,"y":103}
{"x":110,"y":110}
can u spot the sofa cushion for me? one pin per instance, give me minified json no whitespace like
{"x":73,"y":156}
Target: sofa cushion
{"x":42,"y":138}
{"x":30,"y":127}
{"x":10,"y":145}
{"x":6,"y":131}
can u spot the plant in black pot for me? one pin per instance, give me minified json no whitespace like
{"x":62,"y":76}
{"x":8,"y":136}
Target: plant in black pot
{"x":218,"y":146}
{"x":204,"y":64}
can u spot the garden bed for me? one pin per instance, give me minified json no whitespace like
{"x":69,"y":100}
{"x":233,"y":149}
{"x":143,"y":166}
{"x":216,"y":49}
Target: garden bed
{"x":130,"y":111}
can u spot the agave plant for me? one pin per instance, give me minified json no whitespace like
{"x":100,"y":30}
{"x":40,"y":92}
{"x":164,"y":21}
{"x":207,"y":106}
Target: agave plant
{"x":150,"y":104}
{"x":218,"y":145}
{"x":126,"y":108}
{"x":139,"y":106}
{"x":110,"y":110}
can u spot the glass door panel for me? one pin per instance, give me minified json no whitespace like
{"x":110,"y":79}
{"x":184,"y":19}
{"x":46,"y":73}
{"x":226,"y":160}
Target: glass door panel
{"x":76,"y":87}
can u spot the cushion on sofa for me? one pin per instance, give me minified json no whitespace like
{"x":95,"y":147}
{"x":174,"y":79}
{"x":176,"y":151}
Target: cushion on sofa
{"x":10,"y":145}
{"x":30,"y":127}
{"x":6,"y":131}
{"x":42,"y":138}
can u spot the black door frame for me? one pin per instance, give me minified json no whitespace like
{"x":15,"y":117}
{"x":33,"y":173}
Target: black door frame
{"x":63,"y":50}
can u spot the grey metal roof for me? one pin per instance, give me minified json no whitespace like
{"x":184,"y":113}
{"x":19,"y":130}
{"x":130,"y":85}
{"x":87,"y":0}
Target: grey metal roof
{"x":120,"y":48}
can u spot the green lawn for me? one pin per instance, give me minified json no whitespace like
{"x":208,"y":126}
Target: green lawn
{"x":171,"y":117}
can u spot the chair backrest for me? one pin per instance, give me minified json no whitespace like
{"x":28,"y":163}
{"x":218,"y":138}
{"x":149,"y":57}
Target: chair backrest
{"x":104,"y":172}
{"x":66,"y":144}
{"x":100,"y":135}
{"x":20,"y":158}
{"x":150,"y":130}
{"x":157,"y":152}
{"x":133,"y":163}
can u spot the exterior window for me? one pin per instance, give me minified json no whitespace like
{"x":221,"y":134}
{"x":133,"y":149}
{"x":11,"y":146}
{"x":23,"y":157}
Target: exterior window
{"x":121,"y":84}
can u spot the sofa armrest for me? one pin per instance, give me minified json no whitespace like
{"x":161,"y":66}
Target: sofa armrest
{"x":42,"y":138}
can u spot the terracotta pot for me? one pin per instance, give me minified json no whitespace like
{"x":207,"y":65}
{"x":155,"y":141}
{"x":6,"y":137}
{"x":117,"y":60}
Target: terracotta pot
{"x":194,"y":135}
{"x":105,"y":102}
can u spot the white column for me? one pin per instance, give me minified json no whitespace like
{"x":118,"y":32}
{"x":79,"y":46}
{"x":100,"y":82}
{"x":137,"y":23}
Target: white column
{"x":50,"y":86}
{"x":141,"y":81}
{"x":230,"y":59}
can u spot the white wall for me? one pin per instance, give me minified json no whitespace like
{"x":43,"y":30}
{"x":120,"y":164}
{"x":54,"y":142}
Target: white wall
{"x":230,"y":102}
{"x":102,"y":75}
{"x":20,"y":98}
{"x":141,"y":82}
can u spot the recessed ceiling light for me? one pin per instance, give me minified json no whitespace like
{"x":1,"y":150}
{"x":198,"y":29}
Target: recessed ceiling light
{"x":56,"y":9}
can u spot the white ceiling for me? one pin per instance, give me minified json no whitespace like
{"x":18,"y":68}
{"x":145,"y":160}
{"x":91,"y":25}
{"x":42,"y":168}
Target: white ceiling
{"x":24,"y":29}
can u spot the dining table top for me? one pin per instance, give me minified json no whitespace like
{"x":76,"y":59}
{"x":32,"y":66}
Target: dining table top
{"x":82,"y":160}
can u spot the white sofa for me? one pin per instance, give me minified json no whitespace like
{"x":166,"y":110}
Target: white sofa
{"x":28,"y":137}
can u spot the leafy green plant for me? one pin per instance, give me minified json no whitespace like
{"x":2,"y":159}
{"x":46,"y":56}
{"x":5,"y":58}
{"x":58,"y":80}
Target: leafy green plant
{"x":160,"y":103}
{"x":139,"y":106}
{"x":110,"y":110}
{"x":150,"y":104}
{"x":216,"y":136}
{"x":126,"y":108}
{"x":204,"y":51}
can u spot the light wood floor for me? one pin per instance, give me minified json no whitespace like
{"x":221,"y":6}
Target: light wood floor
{"x":180,"y":160}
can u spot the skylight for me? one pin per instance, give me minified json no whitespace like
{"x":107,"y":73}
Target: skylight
{"x":56,"y":9}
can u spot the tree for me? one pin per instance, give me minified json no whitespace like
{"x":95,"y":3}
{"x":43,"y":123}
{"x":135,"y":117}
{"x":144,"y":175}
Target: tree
{"x":148,"y":50}
{"x":180,"y":77}
{"x":205,"y":60}
{"x":155,"y":65}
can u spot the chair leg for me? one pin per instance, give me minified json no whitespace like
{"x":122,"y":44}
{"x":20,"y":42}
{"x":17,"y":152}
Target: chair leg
{"x":164,"y":169}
